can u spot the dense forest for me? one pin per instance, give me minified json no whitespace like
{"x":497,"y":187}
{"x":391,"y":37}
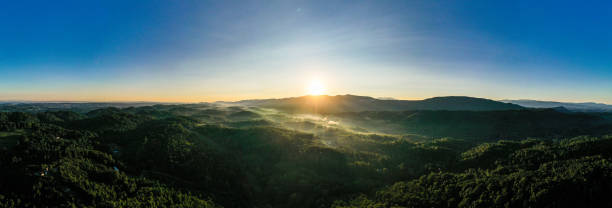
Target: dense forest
{"x":222,"y":155}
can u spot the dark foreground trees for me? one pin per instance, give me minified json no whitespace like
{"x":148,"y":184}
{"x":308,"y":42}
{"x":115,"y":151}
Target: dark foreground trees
{"x":207,"y":156}
{"x":46,"y":169}
{"x":571,"y":173}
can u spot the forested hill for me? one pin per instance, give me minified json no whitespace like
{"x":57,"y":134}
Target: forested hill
{"x":208,"y":155}
{"x":80,"y":107}
{"x":512,"y":124}
{"x":576,"y":107}
{"x":352,"y":103}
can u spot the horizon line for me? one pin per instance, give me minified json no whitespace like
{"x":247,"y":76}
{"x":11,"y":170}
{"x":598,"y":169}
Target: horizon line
{"x":271,"y":98}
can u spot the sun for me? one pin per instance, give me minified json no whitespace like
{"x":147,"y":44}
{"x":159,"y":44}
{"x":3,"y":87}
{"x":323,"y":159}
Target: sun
{"x":315,"y":88}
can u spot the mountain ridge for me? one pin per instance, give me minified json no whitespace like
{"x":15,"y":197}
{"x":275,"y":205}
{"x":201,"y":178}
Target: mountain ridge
{"x":575,"y":107}
{"x":355,"y":103}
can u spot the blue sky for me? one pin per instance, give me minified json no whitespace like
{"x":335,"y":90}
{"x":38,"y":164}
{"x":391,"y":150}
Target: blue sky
{"x":230,"y":50}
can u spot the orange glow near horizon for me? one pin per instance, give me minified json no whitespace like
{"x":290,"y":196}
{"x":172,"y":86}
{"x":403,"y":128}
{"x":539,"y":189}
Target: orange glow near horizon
{"x":314,"y":88}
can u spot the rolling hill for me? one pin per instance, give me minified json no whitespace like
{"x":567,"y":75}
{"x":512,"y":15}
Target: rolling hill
{"x":353,"y":103}
{"x":576,"y":107}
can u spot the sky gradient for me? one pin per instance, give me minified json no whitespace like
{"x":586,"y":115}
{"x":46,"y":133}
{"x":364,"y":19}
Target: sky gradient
{"x":191,"y":51}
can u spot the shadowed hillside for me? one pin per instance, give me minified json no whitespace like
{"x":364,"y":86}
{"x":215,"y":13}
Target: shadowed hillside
{"x":578,"y":107}
{"x":251,"y":155}
{"x":510,"y":124}
{"x":352,"y":103}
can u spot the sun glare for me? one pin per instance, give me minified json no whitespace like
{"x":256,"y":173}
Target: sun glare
{"x":315,"y":88}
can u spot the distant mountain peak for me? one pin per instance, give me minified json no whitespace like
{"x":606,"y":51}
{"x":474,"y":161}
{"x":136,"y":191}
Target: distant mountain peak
{"x":576,"y":107}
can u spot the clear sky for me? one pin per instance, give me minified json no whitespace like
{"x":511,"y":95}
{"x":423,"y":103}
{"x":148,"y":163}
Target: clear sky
{"x":230,"y":50}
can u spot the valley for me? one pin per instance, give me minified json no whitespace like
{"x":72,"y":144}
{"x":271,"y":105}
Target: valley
{"x":237,"y":155}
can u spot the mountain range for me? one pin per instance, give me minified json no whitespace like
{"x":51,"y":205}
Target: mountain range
{"x":353,"y":103}
{"x":575,"y":107}
{"x":338,"y":104}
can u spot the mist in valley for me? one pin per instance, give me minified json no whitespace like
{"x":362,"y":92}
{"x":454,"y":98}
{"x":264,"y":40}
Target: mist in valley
{"x":299,"y":104}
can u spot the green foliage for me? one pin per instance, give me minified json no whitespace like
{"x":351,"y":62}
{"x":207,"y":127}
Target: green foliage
{"x":45,"y":169}
{"x":208,"y":155}
{"x":512,"y":124}
{"x":571,"y":173}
